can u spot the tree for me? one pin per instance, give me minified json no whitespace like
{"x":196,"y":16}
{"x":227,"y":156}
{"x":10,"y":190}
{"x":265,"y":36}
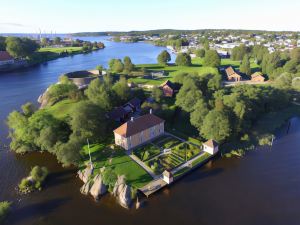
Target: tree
{"x":206,"y":45}
{"x":20,"y":47}
{"x":44,"y":42}
{"x":100,"y":94}
{"x":245,"y":66}
{"x":188,"y":95}
{"x":212,"y":58}
{"x":239,"y":52}
{"x":28,"y":109}
{"x":122,"y":89}
{"x":57,"y":40}
{"x":69,"y":153}
{"x":128,"y":65}
{"x":216,"y":125}
{"x":5,"y":207}
{"x":183,"y":59}
{"x":164,"y":57}
{"x":295,"y":54}
{"x":116,"y":65}
{"x":2,"y":44}
{"x":157,"y":94}
{"x":200,"y":53}
{"x":99,"y":68}
{"x":199,"y":113}
{"x":88,"y":121}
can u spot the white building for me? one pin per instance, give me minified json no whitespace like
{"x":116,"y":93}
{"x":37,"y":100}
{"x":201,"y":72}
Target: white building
{"x":211,"y":147}
{"x":168,"y":177}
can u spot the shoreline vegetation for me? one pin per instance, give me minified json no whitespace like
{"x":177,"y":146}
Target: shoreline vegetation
{"x":25,"y":52}
{"x":5,"y":208}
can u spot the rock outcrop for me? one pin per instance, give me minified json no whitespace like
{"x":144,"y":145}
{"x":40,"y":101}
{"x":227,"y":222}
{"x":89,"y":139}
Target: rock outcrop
{"x":98,"y":189}
{"x":122,"y":192}
{"x":85,"y":174}
{"x":85,"y":189}
{"x":43,"y":100}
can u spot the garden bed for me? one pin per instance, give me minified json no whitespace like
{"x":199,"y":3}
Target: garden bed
{"x":186,"y":150}
{"x":147,"y":152}
{"x":166,"y":142}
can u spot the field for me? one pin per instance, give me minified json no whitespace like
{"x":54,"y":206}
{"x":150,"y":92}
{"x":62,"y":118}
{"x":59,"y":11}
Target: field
{"x":102,"y":155}
{"x":70,"y":50}
{"x":236,"y":64}
{"x":166,"y":142}
{"x":171,"y":71}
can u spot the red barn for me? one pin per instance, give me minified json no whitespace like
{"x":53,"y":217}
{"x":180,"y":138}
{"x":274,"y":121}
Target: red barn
{"x":169,"y":88}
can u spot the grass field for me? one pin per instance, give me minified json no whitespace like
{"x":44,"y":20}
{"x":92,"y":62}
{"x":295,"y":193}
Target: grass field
{"x":122,"y":164}
{"x":61,"y":109}
{"x":70,"y":50}
{"x":171,"y":71}
{"x":166,"y":142}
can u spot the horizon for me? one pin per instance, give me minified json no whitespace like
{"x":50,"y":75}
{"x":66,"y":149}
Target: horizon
{"x":133,"y":15}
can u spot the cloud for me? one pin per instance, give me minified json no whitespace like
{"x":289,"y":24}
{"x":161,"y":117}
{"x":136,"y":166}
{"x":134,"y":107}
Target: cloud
{"x":13,"y":25}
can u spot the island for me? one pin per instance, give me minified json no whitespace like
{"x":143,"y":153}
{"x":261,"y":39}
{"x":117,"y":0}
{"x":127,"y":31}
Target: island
{"x":132,"y":130}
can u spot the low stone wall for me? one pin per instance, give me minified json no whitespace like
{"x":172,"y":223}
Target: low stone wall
{"x":84,"y":77}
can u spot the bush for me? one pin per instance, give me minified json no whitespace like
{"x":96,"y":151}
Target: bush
{"x":265,"y":140}
{"x":4,"y":210}
{"x":34,"y":181}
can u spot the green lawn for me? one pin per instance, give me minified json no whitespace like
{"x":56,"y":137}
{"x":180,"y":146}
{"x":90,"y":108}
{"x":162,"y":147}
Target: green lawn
{"x":201,"y":159}
{"x":170,"y":71}
{"x":61,"y":109}
{"x":150,"y":148}
{"x":236,"y":64}
{"x":63,"y":49}
{"x":102,"y":155}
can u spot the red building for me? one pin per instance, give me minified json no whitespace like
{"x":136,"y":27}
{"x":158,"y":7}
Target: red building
{"x":169,"y":89}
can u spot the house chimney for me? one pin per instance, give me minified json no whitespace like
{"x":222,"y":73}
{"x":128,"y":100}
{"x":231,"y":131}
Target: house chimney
{"x":150,"y":111}
{"x":131,"y":119}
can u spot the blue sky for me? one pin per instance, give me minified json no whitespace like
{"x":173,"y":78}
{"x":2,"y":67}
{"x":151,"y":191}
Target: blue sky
{"x":65,"y":16}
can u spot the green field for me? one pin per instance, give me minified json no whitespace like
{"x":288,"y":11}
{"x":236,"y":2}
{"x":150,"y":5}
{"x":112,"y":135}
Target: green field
{"x":165,"y":142}
{"x":102,"y":155}
{"x":171,"y":71}
{"x":71,"y":50}
{"x":236,"y":64}
{"x":61,"y":109}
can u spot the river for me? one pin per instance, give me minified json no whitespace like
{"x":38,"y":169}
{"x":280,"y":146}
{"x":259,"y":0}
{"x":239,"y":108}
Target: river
{"x":261,"y":188}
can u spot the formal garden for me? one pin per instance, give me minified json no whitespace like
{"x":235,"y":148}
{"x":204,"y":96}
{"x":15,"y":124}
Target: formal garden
{"x":166,"y":153}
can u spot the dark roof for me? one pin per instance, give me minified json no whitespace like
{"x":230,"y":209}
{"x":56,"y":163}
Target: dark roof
{"x":117,"y":113}
{"x":172,"y":85}
{"x":135,"y":102}
{"x":138,"y":125}
{"x":5,"y":56}
{"x":211,"y":143}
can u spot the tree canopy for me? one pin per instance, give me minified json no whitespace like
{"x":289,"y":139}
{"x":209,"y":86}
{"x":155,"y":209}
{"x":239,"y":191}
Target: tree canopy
{"x":164,"y":57}
{"x":212,"y":59}
{"x":183,"y":59}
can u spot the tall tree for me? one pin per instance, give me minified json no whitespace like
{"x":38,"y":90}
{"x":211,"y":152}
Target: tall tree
{"x":164,"y":57}
{"x":122,"y":89}
{"x":128,"y":65}
{"x":216,"y":125}
{"x":212,"y":58}
{"x":245,"y":66}
{"x":183,"y":59}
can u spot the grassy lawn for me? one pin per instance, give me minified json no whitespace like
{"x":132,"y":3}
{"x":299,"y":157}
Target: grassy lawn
{"x":236,"y":64}
{"x":166,"y":142}
{"x":150,"y":148}
{"x":60,"y":50}
{"x":171,"y":71}
{"x":62,"y":109}
{"x":102,"y":155}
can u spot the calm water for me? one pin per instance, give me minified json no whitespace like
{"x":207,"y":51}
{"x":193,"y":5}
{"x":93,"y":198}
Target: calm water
{"x":261,"y":188}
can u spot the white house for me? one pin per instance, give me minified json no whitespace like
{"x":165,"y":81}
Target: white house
{"x":6,"y":58}
{"x":168,"y":177}
{"x":211,"y":147}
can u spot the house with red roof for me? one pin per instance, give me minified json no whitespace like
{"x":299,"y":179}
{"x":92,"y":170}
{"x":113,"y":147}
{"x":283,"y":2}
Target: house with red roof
{"x":138,"y":131}
{"x":6,"y":58}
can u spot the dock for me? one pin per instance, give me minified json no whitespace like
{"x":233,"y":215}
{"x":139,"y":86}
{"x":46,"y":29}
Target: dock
{"x":153,"y":186}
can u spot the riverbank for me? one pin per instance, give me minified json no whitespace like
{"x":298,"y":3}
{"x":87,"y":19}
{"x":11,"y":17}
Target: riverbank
{"x":45,"y":55}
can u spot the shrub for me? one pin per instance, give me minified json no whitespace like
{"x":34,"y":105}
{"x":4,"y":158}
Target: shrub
{"x":4,"y":210}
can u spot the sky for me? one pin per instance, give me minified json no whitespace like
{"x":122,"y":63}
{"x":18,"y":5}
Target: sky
{"x":68,"y":16}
